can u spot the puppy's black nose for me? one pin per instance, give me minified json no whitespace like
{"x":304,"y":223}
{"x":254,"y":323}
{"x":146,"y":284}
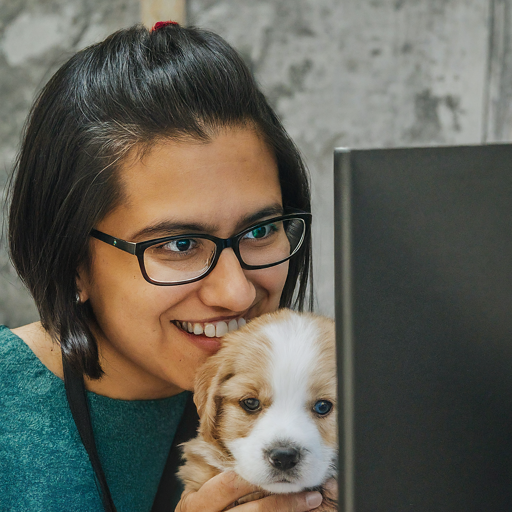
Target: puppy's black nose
{"x":284,"y":458}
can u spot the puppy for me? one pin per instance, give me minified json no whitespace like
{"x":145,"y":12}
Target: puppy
{"x":267,"y":406}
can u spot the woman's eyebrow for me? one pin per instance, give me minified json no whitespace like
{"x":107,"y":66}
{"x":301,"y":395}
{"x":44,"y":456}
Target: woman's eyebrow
{"x":170,"y":228}
{"x":270,"y":211}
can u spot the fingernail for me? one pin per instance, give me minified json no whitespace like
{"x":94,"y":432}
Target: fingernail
{"x":313,"y":499}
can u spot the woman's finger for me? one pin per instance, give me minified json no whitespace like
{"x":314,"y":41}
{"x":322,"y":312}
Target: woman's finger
{"x":216,"y":494}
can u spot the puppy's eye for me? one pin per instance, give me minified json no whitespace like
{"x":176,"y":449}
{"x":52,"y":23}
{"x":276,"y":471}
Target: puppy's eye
{"x":250,"y":404}
{"x":322,"y":407}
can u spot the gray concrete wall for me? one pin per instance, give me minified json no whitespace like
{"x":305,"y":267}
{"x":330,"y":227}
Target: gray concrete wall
{"x":360,"y":73}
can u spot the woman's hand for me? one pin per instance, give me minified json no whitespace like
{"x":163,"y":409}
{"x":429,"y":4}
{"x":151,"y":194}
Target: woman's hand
{"x":223,"y":490}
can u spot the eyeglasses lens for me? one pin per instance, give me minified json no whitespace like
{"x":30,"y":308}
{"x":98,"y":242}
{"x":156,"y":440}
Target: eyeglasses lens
{"x":184,"y":259}
{"x":271,"y":243}
{"x":179,"y":260}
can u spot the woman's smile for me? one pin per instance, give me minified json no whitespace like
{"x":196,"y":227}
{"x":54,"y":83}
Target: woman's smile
{"x":207,"y":335}
{"x":211,"y":328}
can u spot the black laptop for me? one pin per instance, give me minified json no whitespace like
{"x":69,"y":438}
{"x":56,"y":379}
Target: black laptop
{"x":424,"y":328}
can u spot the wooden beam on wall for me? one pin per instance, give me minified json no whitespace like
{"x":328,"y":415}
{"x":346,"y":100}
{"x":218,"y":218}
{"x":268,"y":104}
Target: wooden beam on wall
{"x":163,"y":10}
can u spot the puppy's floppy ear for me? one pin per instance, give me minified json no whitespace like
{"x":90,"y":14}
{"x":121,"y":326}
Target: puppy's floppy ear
{"x":207,"y":395}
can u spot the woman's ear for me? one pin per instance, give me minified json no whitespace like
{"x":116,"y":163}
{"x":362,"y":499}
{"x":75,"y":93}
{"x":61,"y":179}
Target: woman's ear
{"x":82,"y":295}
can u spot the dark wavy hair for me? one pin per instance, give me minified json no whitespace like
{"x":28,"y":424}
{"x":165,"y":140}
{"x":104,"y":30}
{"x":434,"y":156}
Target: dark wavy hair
{"x":130,"y":91}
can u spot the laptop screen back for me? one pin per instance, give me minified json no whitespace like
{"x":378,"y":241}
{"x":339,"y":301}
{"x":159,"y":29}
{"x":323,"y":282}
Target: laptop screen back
{"x":424,"y":328}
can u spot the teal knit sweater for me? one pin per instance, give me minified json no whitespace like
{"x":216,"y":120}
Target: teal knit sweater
{"x":43,"y":464}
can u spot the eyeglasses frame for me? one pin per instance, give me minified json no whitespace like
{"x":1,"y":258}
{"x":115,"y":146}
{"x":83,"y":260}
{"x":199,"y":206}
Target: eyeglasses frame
{"x":138,"y":248}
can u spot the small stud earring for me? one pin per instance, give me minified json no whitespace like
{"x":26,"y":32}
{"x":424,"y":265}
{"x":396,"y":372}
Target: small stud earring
{"x":77,"y":299}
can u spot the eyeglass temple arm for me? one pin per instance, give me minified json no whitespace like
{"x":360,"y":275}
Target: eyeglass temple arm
{"x":116,"y":242}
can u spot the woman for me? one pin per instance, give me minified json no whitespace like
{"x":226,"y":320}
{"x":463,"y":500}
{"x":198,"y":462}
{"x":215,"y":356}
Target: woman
{"x":159,"y":139}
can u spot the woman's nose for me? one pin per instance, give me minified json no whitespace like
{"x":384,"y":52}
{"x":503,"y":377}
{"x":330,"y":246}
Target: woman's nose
{"x":227,"y":285}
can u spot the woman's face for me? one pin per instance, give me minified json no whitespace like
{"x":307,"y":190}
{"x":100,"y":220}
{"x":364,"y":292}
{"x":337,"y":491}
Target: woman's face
{"x":219,"y":187}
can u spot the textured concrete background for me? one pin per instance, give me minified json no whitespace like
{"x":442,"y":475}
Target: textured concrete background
{"x":360,"y":73}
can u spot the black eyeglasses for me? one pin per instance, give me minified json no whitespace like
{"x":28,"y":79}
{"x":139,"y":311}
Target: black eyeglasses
{"x":181,"y":259}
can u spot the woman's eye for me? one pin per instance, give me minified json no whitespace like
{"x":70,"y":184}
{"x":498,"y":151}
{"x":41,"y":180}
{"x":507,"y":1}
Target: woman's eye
{"x":261,"y":231}
{"x":180,"y":245}
{"x":322,"y":407}
{"x":250,"y":404}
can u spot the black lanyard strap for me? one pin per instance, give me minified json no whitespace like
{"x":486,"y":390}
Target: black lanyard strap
{"x":77,"y":400}
{"x":169,"y":484}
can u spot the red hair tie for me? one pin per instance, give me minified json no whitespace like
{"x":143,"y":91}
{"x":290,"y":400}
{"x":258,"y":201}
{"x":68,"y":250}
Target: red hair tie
{"x":160,"y":24}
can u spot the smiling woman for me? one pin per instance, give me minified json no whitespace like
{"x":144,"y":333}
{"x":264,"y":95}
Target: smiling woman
{"x":157,"y":203}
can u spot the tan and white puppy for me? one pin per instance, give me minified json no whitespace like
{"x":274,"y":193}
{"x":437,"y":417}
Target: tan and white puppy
{"x":267,"y":406}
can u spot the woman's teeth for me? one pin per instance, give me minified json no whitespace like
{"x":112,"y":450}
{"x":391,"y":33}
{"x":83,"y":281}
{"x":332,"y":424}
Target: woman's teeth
{"x":212,"y":330}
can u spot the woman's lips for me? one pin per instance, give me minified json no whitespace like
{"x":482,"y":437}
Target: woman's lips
{"x":208,"y":345}
{"x":211,"y":329}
